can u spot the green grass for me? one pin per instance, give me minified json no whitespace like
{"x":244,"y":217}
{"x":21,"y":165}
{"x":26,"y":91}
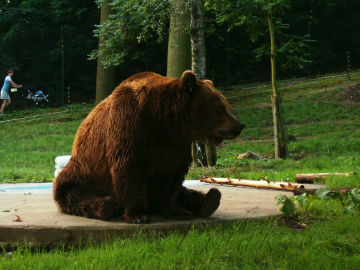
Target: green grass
{"x":327,"y":131}
{"x":29,"y":146}
{"x":263,"y":244}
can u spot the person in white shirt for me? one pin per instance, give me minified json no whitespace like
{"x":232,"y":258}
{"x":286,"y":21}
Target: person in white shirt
{"x":5,"y":90}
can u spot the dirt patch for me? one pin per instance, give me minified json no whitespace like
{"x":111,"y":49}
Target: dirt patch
{"x":350,"y":94}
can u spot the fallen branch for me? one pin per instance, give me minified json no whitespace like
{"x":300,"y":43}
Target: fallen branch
{"x":310,"y":177}
{"x":252,"y":183}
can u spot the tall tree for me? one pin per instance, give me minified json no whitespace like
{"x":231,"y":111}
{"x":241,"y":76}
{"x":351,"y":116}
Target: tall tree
{"x":198,"y":66}
{"x":256,"y":15}
{"x":279,"y":132}
{"x":105,"y":77}
{"x":179,"y":51}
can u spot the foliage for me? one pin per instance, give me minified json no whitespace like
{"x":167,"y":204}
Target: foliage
{"x":293,"y":50}
{"x":303,"y":206}
{"x":295,"y":206}
{"x":31,"y":30}
{"x":135,"y":26}
{"x":30,"y":37}
{"x":350,"y":201}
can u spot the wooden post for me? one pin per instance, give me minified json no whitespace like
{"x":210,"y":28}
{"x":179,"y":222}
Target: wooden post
{"x":210,"y":154}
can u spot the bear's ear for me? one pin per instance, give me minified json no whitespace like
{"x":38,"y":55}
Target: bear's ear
{"x":209,"y":81}
{"x":188,"y":80}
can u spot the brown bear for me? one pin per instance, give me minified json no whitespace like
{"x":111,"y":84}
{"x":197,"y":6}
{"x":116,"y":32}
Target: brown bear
{"x":132,"y":152}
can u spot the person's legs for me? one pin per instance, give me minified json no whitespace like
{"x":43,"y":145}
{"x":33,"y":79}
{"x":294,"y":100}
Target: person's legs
{"x":6,"y":102}
{"x":4,"y":95}
{"x":3,"y":105}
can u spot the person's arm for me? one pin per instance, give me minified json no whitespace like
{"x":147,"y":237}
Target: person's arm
{"x":13,"y":84}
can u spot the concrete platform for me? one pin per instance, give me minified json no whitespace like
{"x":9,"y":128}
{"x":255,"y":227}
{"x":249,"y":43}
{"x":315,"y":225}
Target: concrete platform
{"x":42,"y":225}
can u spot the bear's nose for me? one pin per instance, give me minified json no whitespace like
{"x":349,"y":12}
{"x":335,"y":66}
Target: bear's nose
{"x":238,"y":128}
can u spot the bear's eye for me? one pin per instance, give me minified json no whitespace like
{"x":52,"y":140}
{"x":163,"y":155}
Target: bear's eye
{"x":221,"y":110}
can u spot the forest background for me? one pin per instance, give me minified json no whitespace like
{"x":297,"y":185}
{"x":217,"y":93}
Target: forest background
{"x":50,"y":43}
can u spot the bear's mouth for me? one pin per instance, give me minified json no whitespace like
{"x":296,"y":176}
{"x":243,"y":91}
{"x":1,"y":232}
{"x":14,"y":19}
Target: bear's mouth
{"x":219,"y":138}
{"x":231,"y":133}
{"x":228,"y":136}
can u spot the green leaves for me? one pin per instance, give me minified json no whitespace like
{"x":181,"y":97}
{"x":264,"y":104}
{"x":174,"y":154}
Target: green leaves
{"x":288,"y":205}
{"x":294,"y":52}
{"x":326,"y":201}
{"x":131,"y":24}
{"x":323,"y":193}
{"x":355,"y":196}
{"x":295,"y":206}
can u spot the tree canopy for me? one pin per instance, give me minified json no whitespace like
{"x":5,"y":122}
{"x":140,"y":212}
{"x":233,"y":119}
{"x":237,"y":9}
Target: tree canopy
{"x":313,"y":37}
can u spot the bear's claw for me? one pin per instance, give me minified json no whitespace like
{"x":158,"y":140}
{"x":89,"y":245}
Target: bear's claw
{"x":140,"y":219}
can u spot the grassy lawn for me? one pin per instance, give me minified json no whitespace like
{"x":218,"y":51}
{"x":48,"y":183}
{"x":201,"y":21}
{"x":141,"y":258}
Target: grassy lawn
{"x":264,"y":244}
{"x":324,"y":117}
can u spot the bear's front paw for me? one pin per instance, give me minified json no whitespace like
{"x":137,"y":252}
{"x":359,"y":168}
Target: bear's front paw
{"x":211,"y":203}
{"x":137,"y":219}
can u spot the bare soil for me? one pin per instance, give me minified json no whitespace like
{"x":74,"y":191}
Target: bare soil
{"x":350,"y":94}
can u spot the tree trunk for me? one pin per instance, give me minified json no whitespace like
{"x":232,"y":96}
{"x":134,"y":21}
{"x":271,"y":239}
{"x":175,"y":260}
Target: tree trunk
{"x":197,"y":36}
{"x":105,"y":78}
{"x":198,"y":65}
{"x":279,"y":132}
{"x":178,"y":59}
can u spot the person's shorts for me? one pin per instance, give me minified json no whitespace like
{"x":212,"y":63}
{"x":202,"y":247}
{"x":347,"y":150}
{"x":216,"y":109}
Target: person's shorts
{"x":4,"y":95}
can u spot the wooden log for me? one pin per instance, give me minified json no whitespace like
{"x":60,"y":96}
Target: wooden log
{"x":310,"y":177}
{"x":252,"y":183}
{"x":341,"y":190}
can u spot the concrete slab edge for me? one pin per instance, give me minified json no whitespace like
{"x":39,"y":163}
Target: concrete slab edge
{"x":47,"y":237}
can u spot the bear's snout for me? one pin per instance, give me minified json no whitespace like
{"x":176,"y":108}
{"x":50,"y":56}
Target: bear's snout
{"x":238,"y":128}
{"x":231,"y":128}
{"x":235,"y":129}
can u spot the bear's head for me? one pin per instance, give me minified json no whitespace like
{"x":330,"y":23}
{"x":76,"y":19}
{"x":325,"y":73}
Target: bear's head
{"x":209,"y":113}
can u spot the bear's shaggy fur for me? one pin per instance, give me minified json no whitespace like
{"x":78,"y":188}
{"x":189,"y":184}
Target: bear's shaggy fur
{"x":132,"y":152}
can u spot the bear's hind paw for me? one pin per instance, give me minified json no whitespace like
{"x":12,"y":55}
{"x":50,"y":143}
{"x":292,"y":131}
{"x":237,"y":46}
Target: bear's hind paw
{"x":211,"y":203}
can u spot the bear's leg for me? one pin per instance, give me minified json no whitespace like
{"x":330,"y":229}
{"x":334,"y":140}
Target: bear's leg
{"x":163,"y":199}
{"x":132,"y":194}
{"x":91,"y":205}
{"x":76,"y":201}
{"x":173,"y":210}
{"x":202,"y":205}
